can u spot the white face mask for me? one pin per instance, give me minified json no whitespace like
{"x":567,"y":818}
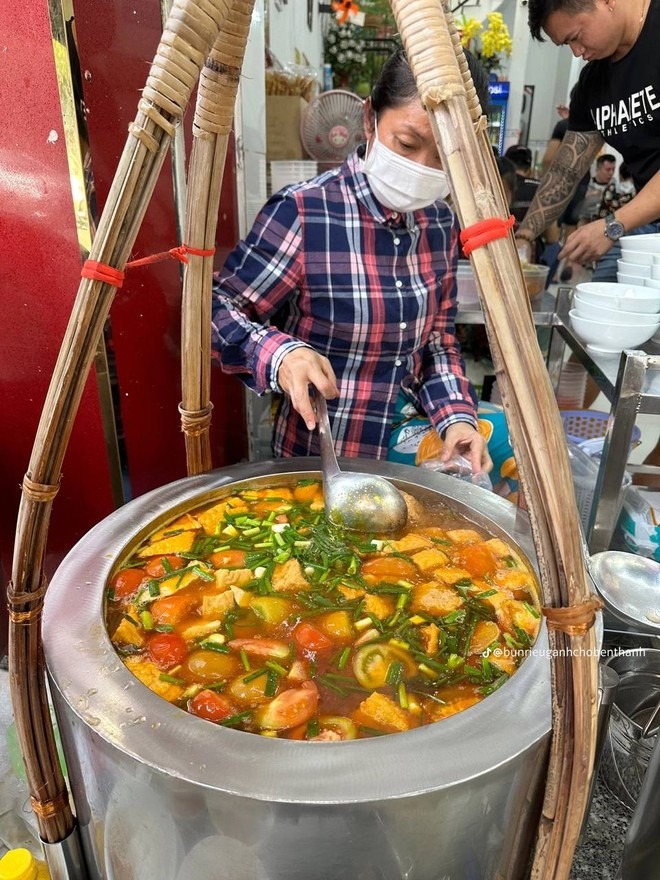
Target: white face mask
{"x":401,"y":184}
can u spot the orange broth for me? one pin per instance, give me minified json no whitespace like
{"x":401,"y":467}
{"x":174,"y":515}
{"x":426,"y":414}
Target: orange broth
{"x":256,"y":613}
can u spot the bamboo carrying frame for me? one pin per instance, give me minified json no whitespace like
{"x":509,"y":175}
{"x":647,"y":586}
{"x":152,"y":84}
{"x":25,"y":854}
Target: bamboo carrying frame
{"x":206,"y":39}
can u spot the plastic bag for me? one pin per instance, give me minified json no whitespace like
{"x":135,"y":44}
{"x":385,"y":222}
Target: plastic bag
{"x":458,"y":466}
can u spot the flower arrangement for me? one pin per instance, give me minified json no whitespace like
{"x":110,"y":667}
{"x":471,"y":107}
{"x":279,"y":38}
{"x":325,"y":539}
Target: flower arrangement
{"x":344,"y":50}
{"x":490,"y":44}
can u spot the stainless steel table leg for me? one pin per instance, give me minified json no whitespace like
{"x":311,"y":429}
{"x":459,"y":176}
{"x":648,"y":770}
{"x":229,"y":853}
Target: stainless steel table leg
{"x":607,"y":495}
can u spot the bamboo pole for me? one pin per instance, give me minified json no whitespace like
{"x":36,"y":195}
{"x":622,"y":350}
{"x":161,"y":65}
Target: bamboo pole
{"x":189,"y":33}
{"x":433,"y":49}
{"x":216,"y":97}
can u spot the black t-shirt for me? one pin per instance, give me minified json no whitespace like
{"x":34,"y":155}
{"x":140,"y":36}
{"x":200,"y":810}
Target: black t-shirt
{"x":559,"y":130}
{"x":522,"y":197}
{"x":621,"y":100}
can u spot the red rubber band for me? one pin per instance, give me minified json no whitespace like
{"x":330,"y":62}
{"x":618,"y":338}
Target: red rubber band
{"x":102,"y":272}
{"x":110,"y":275}
{"x":484,"y":232}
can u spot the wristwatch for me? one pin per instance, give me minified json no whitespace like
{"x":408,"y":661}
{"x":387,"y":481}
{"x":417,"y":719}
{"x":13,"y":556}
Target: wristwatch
{"x":614,"y":228}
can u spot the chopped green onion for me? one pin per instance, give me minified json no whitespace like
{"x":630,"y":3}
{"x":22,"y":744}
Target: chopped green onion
{"x":146,"y":619}
{"x":403,"y":695}
{"x":254,"y":675}
{"x":245,"y":661}
{"x":280,"y":670}
{"x":531,"y":610}
{"x":394,"y":673}
{"x":343,"y":659}
{"x":171,"y":678}
{"x":312,"y":728}
{"x":272,"y":683}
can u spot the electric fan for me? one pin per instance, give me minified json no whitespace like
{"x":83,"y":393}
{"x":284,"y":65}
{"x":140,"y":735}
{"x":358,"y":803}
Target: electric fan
{"x":332,"y":126}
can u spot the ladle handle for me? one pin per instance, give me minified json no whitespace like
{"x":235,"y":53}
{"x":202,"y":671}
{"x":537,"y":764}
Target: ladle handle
{"x":328,"y":456}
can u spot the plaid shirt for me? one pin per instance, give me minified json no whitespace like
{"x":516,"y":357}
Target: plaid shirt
{"x":375,"y":292}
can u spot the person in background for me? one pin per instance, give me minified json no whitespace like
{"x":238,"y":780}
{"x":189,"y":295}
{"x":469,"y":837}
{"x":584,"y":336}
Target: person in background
{"x":626,"y":185}
{"x":346,"y":285}
{"x":601,"y":190}
{"x":616,"y":100}
{"x":546,"y":245}
{"x":509,"y":179}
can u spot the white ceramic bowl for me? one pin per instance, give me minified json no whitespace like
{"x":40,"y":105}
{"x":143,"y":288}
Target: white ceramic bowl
{"x":626,"y":268}
{"x":600,"y":312}
{"x":652,"y":283}
{"x":633,"y":298}
{"x":649,"y":243}
{"x":608,"y":338}
{"x":624,"y":278}
{"x":640,"y":258}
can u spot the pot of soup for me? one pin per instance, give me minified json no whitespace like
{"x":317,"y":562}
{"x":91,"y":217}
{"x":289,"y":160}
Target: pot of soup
{"x":245,"y":691}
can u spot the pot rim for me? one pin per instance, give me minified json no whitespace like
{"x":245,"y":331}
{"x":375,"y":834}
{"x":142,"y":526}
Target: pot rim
{"x":89,"y":676}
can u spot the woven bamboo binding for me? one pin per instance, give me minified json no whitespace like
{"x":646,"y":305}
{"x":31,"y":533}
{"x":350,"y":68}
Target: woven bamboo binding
{"x":433,"y":48}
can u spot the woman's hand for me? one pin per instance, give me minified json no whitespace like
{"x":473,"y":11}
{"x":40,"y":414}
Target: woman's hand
{"x":301,"y":368}
{"x":586,"y":244}
{"x":462,"y":439}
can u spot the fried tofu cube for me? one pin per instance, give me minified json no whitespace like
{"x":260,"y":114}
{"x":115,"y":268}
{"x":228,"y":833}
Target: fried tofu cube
{"x":435,"y":598}
{"x":380,"y":606}
{"x":408,"y":544}
{"x":169,"y":546}
{"x":502,"y":551}
{"x":218,"y":604}
{"x":212,"y":519}
{"x":350,"y":593}
{"x":185,"y":523}
{"x":149,"y":674}
{"x":233,"y":577}
{"x":429,"y":559}
{"x":288,"y":577}
{"x":438,"y":711}
{"x":127,"y":633}
{"x":451,"y":574}
{"x":431,"y":638}
{"x":464,"y":536}
{"x":382,"y":713}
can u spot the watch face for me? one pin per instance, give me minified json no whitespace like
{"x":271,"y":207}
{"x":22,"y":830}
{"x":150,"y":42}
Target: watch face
{"x":614,"y":230}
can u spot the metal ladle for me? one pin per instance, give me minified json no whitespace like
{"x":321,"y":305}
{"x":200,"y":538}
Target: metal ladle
{"x":359,"y":502}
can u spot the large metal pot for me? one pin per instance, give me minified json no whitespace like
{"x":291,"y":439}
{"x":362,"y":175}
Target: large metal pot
{"x":162,"y":795}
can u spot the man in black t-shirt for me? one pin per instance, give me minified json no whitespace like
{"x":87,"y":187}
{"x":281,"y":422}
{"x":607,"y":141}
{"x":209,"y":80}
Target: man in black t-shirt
{"x":617,"y":99}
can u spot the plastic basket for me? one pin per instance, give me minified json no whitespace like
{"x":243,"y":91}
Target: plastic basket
{"x":587,"y":424}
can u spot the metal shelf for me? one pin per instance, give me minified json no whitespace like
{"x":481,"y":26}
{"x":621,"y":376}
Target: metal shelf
{"x":630,"y":380}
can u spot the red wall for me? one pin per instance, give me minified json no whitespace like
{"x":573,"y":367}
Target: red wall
{"x":40,"y":260}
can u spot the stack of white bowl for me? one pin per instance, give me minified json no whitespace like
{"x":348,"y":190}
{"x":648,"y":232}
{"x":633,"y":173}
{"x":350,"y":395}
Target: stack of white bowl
{"x":640,"y":260}
{"x":610,"y":317}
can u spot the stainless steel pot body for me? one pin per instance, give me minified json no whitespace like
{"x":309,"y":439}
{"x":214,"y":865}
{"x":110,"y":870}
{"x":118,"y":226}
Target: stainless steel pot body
{"x":162,"y":794}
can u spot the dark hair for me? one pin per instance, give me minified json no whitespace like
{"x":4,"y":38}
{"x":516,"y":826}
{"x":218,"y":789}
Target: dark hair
{"x":606,"y":157}
{"x":624,"y":172}
{"x":538,"y":12}
{"x":520,"y":155}
{"x":507,"y":172}
{"x":396,"y":84}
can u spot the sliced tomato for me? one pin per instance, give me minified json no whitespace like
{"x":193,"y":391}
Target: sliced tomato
{"x":167,"y":649}
{"x":210,"y":705}
{"x":269,"y":648}
{"x":126,"y":582}
{"x":478,"y":559}
{"x":389,"y":568}
{"x":289,"y":709}
{"x":172,"y":609}
{"x":372,"y":662}
{"x":160,"y":565}
{"x":309,"y":638}
{"x":228,"y":559}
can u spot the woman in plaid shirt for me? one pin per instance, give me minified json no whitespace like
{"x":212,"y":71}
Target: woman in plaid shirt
{"x":347,"y":283}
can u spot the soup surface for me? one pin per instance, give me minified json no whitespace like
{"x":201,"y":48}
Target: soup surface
{"x":257,"y":613}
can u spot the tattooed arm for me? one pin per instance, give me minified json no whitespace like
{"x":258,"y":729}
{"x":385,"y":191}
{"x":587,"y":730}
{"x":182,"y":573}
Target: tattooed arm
{"x":570,"y":163}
